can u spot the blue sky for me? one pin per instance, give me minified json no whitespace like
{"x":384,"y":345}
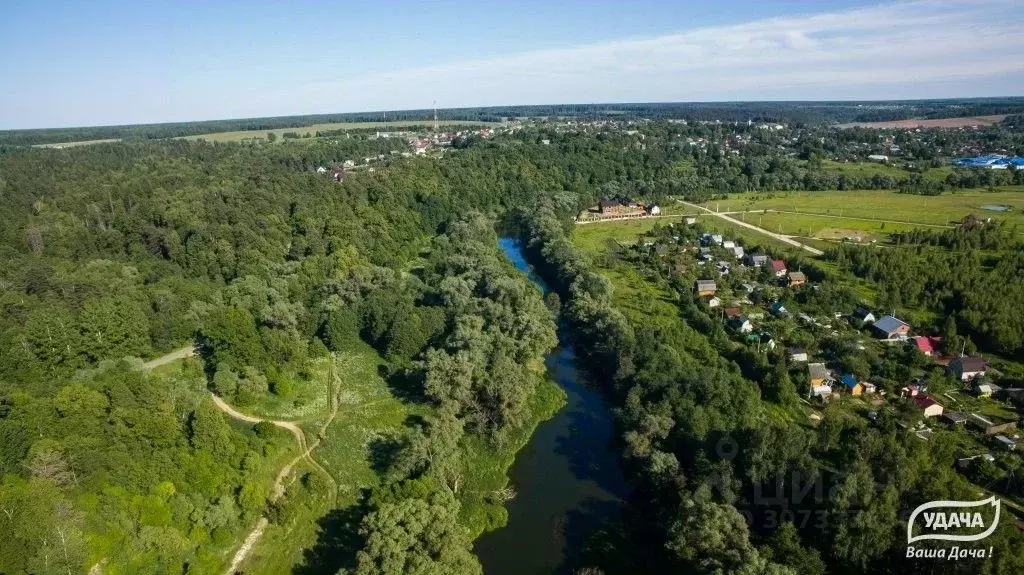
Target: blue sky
{"x":90,"y":63}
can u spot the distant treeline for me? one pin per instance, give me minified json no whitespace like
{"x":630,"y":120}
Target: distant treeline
{"x":788,"y":112}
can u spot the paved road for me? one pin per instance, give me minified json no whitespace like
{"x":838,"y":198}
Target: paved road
{"x":779,"y":237}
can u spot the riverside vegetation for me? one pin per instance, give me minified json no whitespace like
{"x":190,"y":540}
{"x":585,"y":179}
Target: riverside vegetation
{"x":122,"y":251}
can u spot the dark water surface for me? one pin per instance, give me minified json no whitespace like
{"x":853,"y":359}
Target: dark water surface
{"x":567,"y":478}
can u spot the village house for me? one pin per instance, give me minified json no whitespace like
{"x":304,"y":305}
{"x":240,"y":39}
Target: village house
{"x":689,"y":220}
{"x":983,"y":390}
{"x":757,"y":260}
{"x":967,"y":368}
{"x":850,"y":382}
{"x":767,"y":340}
{"x":1007,"y":443}
{"x":818,"y":374}
{"x":926,"y":344}
{"x":797,"y":279}
{"x":654,"y":209}
{"x":733,"y":312}
{"x":714,"y":302}
{"x":863,"y":316}
{"x":741,"y":324}
{"x":989,"y":427}
{"x":321,"y":170}
{"x":953,"y":418}
{"x":779,"y":309}
{"x":619,"y":206}
{"x":737,"y":252}
{"x":705,"y":287}
{"x":338,"y":174}
{"x":778,"y":267}
{"x":890,"y":327}
{"x":797,"y":354}
{"x":728,"y":244}
{"x":928,"y":406}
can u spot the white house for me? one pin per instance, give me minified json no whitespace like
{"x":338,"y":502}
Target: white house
{"x":654,"y":209}
{"x":321,"y":170}
{"x":690,"y":221}
{"x":878,"y":158}
{"x":728,"y":244}
{"x":714,"y":302}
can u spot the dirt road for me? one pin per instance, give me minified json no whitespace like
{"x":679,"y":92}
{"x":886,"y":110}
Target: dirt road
{"x":279,"y":483}
{"x":779,"y":237}
{"x":187,"y":351}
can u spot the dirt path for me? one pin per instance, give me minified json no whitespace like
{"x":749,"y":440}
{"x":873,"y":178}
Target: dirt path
{"x":187,"y":351}
{"x":279,"y":483}
{"x":305,"y":448}
{"x":779,"y":237}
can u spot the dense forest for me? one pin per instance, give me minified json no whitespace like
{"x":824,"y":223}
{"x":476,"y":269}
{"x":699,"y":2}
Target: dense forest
{"x":128,"y":251}
{"x":117,"y":253}
{"x":960,"y":274}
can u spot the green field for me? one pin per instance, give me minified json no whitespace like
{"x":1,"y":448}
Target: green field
{"x":825,"y":227}
{"x":595,"y":237}
{"x":369,"y":418}
{"x":944,"y":209}
{"x":314,"y":128}
{"x":367,"y":411}
{"x":869,"y":169}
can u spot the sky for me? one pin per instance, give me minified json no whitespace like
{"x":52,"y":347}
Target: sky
{"x":145,"y":61}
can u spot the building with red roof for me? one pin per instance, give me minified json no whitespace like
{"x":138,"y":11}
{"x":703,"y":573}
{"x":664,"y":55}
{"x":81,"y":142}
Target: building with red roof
{"x":927,"y":345}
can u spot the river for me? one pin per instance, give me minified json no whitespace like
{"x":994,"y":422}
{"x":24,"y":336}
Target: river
{"x":567,"y":479}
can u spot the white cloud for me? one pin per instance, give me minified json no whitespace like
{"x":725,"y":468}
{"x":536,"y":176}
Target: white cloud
{"x":917,"y":49}
{"x":897,"y":50}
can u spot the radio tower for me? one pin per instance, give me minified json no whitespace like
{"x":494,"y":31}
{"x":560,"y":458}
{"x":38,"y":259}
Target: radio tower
{"x":435,"y":116}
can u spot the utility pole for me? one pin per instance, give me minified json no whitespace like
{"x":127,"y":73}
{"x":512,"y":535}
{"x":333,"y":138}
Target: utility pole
{"x":435,"y":116}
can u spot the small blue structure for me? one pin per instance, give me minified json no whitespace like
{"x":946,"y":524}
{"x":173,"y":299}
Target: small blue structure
{"x":990,"y":161}
{"x":848,"y":380}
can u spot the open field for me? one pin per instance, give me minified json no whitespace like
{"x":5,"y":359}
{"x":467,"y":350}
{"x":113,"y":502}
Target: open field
{"x":594,"y":238}
{"x":314,"y":128}
{"x":824,"y":227}
{"x":73,"y":144}
{"x":870,"y":169}
{"x":944,"y":209}
{"x":937,"y":123}
{"x":367,"y":412}
{"x":864,"y":169}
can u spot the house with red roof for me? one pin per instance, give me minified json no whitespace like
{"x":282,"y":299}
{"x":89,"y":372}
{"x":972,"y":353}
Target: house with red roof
{"x":927,"y":405}
{"x":926,"y":344}
{"x":778,"y":267}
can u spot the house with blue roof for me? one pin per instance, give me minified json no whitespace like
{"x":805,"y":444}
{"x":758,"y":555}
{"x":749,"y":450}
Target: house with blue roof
{"x":890,"y":327}
{"x":851,"y":384}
